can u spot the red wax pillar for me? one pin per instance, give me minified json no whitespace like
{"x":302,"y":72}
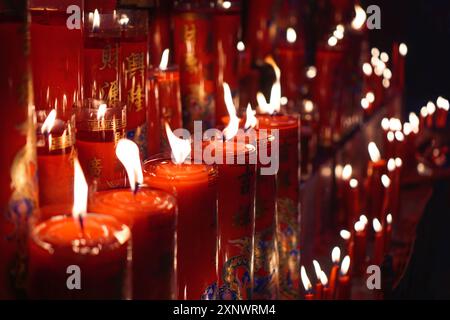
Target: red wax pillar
{"x":196,"y":188}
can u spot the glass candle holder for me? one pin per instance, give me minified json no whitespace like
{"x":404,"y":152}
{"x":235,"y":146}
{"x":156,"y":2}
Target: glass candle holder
{"x":99,"y":127}
{"x":195,"y":186}
{"x":134,"y":65}
{"x":97,"y":252}
{"x":57,"y":55}
{"x":55,"y":141}
{"x":102,"y":53}
{"x":151,"y":215}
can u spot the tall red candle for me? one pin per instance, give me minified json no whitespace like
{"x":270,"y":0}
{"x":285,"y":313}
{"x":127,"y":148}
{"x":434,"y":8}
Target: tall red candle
{"x":99,"y":249}
{"x":344,"y":281}
{"x":192,"y":23}
{"x":286,"y":128}
{"x":360,"y":246}
{"x":55,"y":141}
{"x":375,"y":190}
{"x":102,"y":54}
{"x":57,"y":56}
{"x":151,"y":215}
{"x":388,"y":233}
{"x":309,"y":295}
{"x":378,"y":251}
{"x":18,"y":183}
{"x":335,"y":256}
{"x":195,"y":186}
{"x":133,"y":76}
{"x":99,"y":126}
{"x":226,"y":24}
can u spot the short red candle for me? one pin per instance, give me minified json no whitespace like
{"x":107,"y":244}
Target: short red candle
{"x":333,"y":280}
{"x":287,"y":198}
{"x":378,"y":251}
{"x":375,"y":189}
{"x":100,"y":251}
{"x":195,"y":186}
{"x":96,"y":139}
{"x":151,"y":215}
{"x":359,"y":252}
{"x":344,"y":287}
{"x":55,"y":161}
{"x":388,"y":234}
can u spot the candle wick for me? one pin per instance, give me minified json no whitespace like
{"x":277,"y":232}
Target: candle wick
{"x":81,"y":221}
{"x":136,"y":188}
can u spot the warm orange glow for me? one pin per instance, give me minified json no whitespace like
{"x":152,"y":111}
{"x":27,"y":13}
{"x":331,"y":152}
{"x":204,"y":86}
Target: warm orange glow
{"x":101,"y":112}
{"x":233,"y":126}
{"x":360,"y":18}
{"x":128,"y":153}
{"x":49,"y":122}
{"x":96,"y":20}
{"x":250,"y":120}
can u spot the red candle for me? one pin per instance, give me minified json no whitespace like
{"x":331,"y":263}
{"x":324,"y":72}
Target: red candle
{"x":153,"y":119}
{"x":375,"y":190}
{"x":309,"y":295}
{"x":335,"y":258}
{"x":344,"y":284}
{"x":266,"y":281}
{"x":99,"y":126}
{"x":286,"y":127}
{"x":133,"y":76}
{"x":378,"y":251}
{"x":319,"y":285}
{"x":347,"y":237}
{"x":226,"y":26}
{"x":360,"y":245}
{"x":18,"y":183}
{"x":57,"y":57}
{"x":326,"y":292}
{"x":102,"y":54}
{"x":78,"y":246}
{"x":195,"y":185}
{"x":442,"y":112}
{"x":353,"y":202}
{"x":388,"y":233}
{"x":167,"y":84}
{"x":290,"y":56}
{"x":398,"y":61}
{"x":55,"y":141}
{"x":99,"y":249}
{"x":194,"y":54}
{"x":151,"y":215}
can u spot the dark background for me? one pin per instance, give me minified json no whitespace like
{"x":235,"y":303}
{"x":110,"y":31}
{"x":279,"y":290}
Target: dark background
{"x":424,"y":25}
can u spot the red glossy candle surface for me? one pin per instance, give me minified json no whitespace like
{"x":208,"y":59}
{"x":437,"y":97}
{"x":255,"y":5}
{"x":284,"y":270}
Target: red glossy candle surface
{"x":375,"y":189}
{"x":344,"y":288}
{"x":319,"y":291}
{"x":195,"y":186}
{"x":18,"y":183}
{"x":227,"y":24}
{"x":195,"y":56}
{"x":266,"y":281}
{"x":378,"y":251}
{"x":236,"y":216}
{"x":333,"y":280}
{"x":309,"y":296}
{"x":360,"y":246}
{"x":287,"y":198}
{"x":57,"y":56}
{"x":55,"y":163}
{"x":100,"y":251}
{"x":151,"y":215}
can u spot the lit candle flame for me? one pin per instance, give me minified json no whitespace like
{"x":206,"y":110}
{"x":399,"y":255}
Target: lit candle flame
{"x":363,"y":219}
{"x":374,"y":153}
{"x":443,"y":103}
{"x":233,"y":125}
{"x":407,"y":128}
{"x":305,"y":280}
{"x":353,"y":183}
{"x":49,"y":122}
{"x":403,"y":49}
{"x":398,"y":162}
{"x":164,"y":59}
{"x":359,"y":226}
{"x":389,"y":218}
{"x":385,"y":124}
{"x":308,"y":105}
{"x":80,"y":192}
{"x":291,"y":35}
{"x":431,"y":108}
{"x":345,"y":265}
{"x":101,"y":112}
{"x":317,"y":268}
{"x":96,"y":20}
{"x":367,"y":69}
{"x":250,"y":120}
{"x":399,"y":136}
{"x":377,"y":227}
{"x":336,"y":255}
{"x":323,"y":279}
{"x":386,"y":181}
{"x":391,"y":165}
{"x":128,"y":153}
{"x":311,"y":72}
{"x":274,"y":104}
{"x":123,"y":21}
{"x":240,"y":46}
{"x":360,"y":18}
{"x":181,"y":148}
{"x":345,"y":234}
{"x":347,"y":172}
